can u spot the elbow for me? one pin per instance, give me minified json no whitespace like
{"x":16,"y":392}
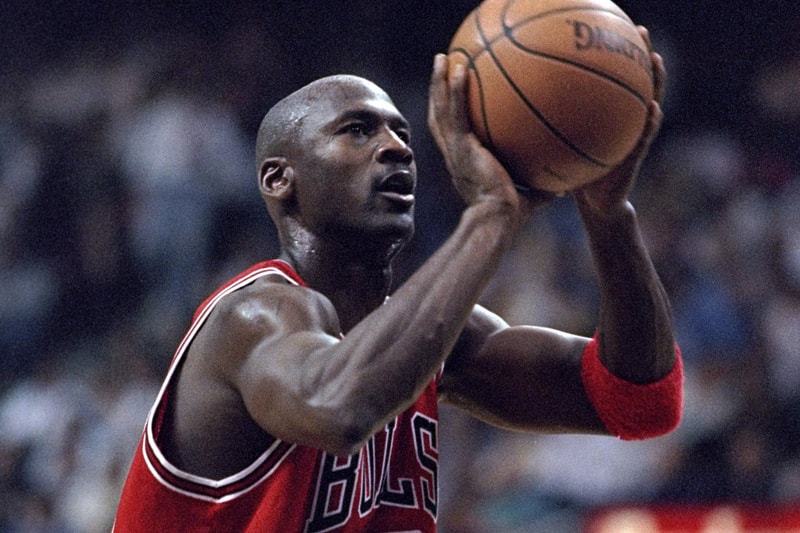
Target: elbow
{"x":338,"y":422}
{"x":631,"y":411}
{"x":346,"y":437}
{"x":341,"y":427}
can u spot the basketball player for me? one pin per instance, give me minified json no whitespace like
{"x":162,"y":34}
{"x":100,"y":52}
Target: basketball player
{"x":304,"y":399}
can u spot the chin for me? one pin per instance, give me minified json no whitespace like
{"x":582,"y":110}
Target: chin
{"x":395,"y":248}
{"x":393,"y":239}
{"x":395,"y":228}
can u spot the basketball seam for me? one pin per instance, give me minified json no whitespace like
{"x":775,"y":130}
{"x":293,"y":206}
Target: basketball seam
{"x":580,"y":66}
{"x":471,"y":62}
{"x":529,"y":105}
{"x":489,"y":142}
{"x":508,"y":33}
{"x":562,"y":10}
{"x":541,"y":15}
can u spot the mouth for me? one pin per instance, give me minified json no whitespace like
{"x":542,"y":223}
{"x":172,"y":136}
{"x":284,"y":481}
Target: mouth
{"x":398,"y":188}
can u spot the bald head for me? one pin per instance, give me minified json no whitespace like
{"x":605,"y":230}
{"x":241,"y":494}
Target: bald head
{"x":319,"y":176}
{"x":279,"y":133}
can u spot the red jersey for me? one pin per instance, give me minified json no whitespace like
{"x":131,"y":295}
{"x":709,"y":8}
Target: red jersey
{"x":390,"y":485}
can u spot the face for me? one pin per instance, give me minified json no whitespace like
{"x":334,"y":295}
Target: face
{"x":355,"y":171}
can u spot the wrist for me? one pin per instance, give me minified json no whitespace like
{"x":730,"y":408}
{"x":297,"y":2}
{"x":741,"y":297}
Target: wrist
{"x":605,"y":212}
{"x":628,"y":410}
{"x":488,"y":225}
{"x":615,"y":226}
{"x":492,"y":210}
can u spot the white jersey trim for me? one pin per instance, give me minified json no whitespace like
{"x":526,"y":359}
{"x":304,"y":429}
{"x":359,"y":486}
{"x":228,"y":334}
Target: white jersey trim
{"x":150,"y":442}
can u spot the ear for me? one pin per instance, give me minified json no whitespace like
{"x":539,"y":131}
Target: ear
{"x":276,"y":178}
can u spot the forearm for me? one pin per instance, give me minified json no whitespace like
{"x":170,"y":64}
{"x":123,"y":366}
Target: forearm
{"x":635,"y":330}
{"x":395,"y":352}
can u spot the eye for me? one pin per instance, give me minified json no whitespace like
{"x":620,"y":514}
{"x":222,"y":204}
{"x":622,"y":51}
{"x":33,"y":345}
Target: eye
{"x":356,"y":128}
{"x":404,"y":135}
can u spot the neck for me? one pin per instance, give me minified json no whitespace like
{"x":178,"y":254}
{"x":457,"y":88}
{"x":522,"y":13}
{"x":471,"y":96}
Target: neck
{"x":356,"y":279}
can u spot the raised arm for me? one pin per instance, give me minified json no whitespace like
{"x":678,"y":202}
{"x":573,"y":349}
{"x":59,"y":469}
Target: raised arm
{"x":635,"y":332}
{"x":626,"y":380}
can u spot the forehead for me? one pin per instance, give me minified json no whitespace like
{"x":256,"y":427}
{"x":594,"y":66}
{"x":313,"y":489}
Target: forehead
{"x":341,"y":98}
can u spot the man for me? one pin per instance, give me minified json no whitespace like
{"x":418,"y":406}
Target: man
{"x":303,"y":398}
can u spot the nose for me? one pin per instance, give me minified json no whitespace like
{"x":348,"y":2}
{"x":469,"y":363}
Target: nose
{"x":393,"y":149}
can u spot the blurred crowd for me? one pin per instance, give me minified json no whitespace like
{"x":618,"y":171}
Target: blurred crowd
{"x":127,"y":193}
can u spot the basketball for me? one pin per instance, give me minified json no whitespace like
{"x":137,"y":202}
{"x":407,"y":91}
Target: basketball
{"x":558,"y":89}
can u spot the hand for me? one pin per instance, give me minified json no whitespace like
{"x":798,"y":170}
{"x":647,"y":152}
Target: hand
{"x":476,"y":173}
{"x":610,"y":192}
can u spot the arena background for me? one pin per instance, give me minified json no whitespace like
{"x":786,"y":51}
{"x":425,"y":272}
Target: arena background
{"x":127,"y":192}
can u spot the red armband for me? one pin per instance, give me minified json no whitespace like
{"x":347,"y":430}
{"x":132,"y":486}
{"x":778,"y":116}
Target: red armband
{"x":628,"y":410}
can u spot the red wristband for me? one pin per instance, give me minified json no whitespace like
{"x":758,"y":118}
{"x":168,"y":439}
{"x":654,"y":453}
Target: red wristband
{"x":628,"y":410}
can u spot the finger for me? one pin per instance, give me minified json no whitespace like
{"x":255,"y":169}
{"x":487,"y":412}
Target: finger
{"x":659,"y":76}
{"x":437,"y":95}
{"x":651,"y":127}
{"x":653,"y":124}
{"x":657,"y":62}
{"x":458,"y":98}
{"x":630,"y":165}
{"x":644,"y":33}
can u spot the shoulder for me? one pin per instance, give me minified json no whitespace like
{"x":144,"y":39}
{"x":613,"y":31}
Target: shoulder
{"x":272,"y":306}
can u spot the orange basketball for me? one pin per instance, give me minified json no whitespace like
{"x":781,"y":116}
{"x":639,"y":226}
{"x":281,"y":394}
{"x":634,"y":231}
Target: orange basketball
{"x":558,"y":89}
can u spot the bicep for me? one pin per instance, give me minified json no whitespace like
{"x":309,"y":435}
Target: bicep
{"x":278,"y":388}
{"x":521,"y":377}
{"x":274,"y":346}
